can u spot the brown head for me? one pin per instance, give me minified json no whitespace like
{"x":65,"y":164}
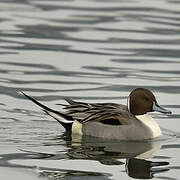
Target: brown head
{"x":142,"y":100}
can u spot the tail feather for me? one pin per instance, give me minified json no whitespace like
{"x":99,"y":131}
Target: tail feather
{"x":65,"y":120}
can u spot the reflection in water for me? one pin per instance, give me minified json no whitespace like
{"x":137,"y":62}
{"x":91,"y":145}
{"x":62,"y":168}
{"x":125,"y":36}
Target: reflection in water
{"x":143,"y":169}
{"x":107,"y":153}
{"x":88,"y":146}
{"x":110,"y":153}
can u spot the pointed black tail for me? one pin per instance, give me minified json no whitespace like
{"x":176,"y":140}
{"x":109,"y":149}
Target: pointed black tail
{"x":65,"y":120}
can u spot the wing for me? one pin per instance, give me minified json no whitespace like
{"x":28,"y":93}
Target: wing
{"x":107,"y":113}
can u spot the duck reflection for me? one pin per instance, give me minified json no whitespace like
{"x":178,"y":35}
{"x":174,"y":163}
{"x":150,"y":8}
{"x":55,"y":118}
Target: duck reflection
{"x":144,"y":169}
{"x":114,"y":153}
{"x":97,"y":149}
{"x":132,"y":155}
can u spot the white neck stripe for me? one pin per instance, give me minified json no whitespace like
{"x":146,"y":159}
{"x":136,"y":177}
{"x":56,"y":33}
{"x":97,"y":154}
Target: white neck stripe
{"x":128,"y":103}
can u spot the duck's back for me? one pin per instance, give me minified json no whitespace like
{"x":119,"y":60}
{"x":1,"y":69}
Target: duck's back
{"x":106,"y":113}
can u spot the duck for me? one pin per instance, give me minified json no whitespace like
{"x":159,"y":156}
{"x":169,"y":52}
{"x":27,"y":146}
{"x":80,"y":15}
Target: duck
{"x":130,"y":122}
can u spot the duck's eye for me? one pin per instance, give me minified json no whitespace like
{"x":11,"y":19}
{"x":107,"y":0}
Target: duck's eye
{"x":146,"y":99}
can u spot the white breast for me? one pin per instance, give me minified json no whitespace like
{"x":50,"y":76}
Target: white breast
{"x":149,"y":122}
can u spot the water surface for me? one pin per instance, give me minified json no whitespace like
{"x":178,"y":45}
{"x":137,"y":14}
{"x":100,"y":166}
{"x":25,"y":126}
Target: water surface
{"x":91,"y":50}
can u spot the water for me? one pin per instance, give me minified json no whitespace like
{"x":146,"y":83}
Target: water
{"x":90,"y":50}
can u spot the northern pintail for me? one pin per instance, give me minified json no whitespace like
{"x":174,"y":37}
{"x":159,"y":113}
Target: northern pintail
{"x":110,"y":120}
